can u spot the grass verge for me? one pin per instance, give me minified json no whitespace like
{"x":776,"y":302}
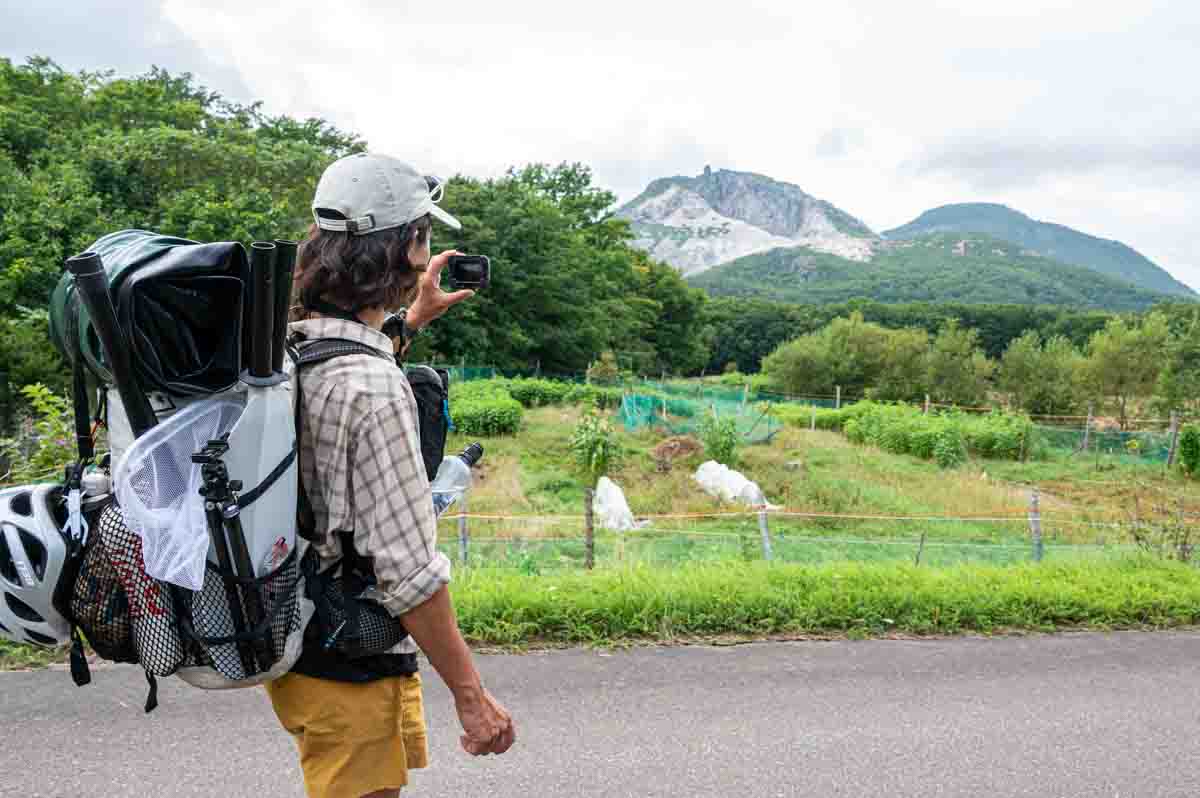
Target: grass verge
{"x":756,"y":599}
{"x":753,"y":600}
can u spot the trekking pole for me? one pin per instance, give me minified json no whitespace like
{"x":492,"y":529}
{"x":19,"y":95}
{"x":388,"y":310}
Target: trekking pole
{"x":285,"y":266}
{"x":92,"y":284}
{"x":263,"y":308}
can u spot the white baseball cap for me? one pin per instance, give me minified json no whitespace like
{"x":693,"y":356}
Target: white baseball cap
{"x":376,"y":192}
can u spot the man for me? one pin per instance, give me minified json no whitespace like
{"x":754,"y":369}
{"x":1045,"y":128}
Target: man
{"x":359,"y":723}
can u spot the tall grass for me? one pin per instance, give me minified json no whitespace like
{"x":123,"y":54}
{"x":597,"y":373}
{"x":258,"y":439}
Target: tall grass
{"x":506,"y":608}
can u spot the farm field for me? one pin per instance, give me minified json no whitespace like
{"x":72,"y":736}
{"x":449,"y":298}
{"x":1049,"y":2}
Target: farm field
{"x":837,"y":500}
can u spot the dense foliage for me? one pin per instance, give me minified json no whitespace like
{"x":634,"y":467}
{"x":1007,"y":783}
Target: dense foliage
{"x":744,"y":331}
{"x":84,"y":154}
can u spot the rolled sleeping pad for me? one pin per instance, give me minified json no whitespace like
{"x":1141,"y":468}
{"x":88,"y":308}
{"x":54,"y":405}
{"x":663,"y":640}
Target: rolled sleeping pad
{"x":262,"y":308}
{"x":285,"y":267}
{"x":91,"y":283}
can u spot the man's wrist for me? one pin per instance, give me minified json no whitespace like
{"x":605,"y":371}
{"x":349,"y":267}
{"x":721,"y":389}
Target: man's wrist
{"x":468,"y":694}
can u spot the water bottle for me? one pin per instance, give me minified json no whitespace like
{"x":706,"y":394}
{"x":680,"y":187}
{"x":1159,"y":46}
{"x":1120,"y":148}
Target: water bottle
{"x":454,"y":477}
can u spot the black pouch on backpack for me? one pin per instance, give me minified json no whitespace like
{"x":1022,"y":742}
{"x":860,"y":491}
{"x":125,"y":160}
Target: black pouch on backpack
{"x":343,"y":622}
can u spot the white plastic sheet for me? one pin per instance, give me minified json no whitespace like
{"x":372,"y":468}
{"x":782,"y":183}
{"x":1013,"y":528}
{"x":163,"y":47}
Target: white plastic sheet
{"x":728,"y":485}
{"x":612,"y":511}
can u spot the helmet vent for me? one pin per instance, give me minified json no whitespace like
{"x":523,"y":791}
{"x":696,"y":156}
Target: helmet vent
{"x":8,"y":568}
{"x":4,"y":629}
{"x":45,"y":640}
{"x":35,"y":550}
{"x":22,"y":504}
{"x":22,"y":610}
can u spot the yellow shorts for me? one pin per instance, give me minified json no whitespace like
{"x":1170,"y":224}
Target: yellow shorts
{"x":354,"y":739}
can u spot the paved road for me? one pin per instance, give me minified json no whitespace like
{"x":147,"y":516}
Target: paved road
{"x":1077,"y":715}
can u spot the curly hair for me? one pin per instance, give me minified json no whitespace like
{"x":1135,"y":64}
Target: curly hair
{"x":358,"y":271}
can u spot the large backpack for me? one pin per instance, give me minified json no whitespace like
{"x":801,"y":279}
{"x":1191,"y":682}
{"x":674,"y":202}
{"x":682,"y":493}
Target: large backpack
{"x":229,"y":629}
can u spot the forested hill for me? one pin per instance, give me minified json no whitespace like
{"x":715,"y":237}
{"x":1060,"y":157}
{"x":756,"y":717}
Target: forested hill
{"x":944,"y":267}
{"x":1044,"y":238}
{"x":85,"y":154}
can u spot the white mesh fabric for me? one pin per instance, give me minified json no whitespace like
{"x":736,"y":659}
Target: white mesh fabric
{"x":158,"y":488}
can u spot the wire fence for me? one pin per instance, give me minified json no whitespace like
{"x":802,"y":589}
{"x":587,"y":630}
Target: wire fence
{"x":543,"y":543}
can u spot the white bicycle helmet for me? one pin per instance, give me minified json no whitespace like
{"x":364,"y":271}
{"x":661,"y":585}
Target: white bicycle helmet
{"x":32,"y":554}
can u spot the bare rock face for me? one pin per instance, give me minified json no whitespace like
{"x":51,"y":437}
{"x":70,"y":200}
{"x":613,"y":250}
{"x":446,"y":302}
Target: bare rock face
{"x":699,"y":222}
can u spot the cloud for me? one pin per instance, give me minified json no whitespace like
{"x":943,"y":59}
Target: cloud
{"x":128,"y":36}
{"x":1080,"y":113}
{"x":993,"y":161}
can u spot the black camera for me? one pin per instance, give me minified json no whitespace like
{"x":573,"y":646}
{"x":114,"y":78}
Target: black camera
{"x":470,"y":271}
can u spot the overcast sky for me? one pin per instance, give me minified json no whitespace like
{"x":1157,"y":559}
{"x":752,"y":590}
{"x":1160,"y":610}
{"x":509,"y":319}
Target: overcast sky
{"x":1082,"y":113}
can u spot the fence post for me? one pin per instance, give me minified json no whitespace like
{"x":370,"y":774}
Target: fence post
{"x":766,"y":532}
{"x":745,"y":394}
{"x":813,"y":421}
{"x":1035,"y":525}
{"x":926,"y":404}
{"x":1174,"y":438}
{"x":838,"y":406}
{"x":1087,"y":426}
{"x":920,"y":548}
{"x":462,"y":529}
{"x":589,"y":534}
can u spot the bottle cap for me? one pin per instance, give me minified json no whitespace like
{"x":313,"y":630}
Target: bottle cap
{"x":472,"y":454}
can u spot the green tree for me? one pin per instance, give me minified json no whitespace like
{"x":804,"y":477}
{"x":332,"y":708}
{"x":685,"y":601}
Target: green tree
{"x":957,"y":370}
{"x":1042,"y":378}
{"x":1125,"y":358}
{"x":1178,"y":385}
{"x":903,"y":375}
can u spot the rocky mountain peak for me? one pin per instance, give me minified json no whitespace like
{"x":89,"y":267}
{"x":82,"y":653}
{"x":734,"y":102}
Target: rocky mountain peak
{"x":695,"y":223}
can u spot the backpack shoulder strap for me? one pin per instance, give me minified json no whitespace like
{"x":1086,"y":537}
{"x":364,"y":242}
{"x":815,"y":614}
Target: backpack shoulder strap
{"x":319,"y":350}
{"x":308,"y":353}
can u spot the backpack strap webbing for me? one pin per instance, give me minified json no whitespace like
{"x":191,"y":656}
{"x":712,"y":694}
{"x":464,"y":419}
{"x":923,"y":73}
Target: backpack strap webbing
{"x":354,"y":565}
{"x":307,"y":354}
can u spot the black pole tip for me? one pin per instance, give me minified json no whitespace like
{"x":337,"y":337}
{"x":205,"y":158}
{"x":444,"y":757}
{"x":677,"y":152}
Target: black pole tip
{"x":85,"y":263}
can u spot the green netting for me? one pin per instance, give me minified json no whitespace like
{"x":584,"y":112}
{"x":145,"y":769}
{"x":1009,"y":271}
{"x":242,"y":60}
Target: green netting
{"x":463,"y":373}
{"x":1144,"y":446}
{"x":679,"y":415}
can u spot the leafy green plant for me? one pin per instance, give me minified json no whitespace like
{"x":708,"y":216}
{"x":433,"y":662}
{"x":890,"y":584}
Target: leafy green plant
{"x":720,"y":437}
{"x":46,"y":444}
{"x":594,"y":447}
{"x":1189,"y":449}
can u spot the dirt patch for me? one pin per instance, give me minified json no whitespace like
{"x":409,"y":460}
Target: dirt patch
{"x":498,"y":483}
{"x":675,"y":448}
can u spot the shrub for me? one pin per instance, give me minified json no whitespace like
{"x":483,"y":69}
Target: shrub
{"x":1189,"y":449}
{"x":484,"y":407}
{"x":720,"y":437}
{"x":734,"y":378}
{"x":944,"y":438}
{"x":949,"y":450}
{"x":533,"y":392}
{"x":592,"y":395}
{"x":47,"y":446}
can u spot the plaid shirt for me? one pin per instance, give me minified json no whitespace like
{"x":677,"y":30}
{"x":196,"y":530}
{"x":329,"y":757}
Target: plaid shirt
{"x":362,"y":467}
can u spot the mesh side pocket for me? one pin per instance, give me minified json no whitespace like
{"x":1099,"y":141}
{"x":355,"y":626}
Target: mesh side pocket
{"x":240,"y":655}
{"x":151,"y":604}
{"x":98,"y":604}
{"x":332,"y":630}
